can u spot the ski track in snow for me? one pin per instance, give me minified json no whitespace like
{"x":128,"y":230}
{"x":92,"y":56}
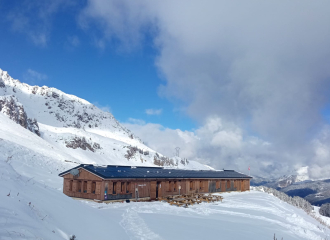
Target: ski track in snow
{"x":135,"y":226}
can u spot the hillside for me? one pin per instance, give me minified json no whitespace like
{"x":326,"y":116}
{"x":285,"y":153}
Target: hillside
{"x":317,"y":192}
{"x":74,"y":129}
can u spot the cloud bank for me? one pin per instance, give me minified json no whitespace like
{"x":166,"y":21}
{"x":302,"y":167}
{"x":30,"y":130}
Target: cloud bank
{"x":261,"y":66}
{"x":215,"y":143}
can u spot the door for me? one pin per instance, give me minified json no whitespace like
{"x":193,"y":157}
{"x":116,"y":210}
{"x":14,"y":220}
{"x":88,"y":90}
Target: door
{"x":157,"y":190}
{"x":153,"y":188}
{"x":223,"y":186}
{"x":212,"y":186}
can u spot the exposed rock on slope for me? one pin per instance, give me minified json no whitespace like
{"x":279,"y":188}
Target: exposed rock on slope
{"x":83,"y":144}
{"x":10,"y":106}
{"x":2,"y":84}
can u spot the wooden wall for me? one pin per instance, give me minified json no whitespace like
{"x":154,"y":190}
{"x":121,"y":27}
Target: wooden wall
{"x":71,"y":185}
{"x":90,"y":186}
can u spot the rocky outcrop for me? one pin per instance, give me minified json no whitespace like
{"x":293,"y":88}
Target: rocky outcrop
{"x":164,"y":161}
{"x":80,"y":142}
{"x":10,"y":107}
{"x":133,"y":150}
{"x":184,"y":161}
{"x":159,"y":160}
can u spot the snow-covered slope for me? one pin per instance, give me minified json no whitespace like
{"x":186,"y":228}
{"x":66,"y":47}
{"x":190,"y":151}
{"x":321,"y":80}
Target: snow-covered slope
{"x":79,"y":131}
{"x":33,"y":210}
{"x":30,"y":209}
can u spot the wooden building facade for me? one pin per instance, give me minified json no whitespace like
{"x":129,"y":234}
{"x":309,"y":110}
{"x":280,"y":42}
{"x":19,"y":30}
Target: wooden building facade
{"x":124,"y":182}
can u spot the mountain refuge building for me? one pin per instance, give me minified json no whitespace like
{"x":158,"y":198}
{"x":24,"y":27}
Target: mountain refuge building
{"x":148,"y":183}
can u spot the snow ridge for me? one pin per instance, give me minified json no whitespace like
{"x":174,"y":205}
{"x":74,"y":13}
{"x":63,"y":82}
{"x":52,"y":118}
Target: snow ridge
{"x":76,"y":127}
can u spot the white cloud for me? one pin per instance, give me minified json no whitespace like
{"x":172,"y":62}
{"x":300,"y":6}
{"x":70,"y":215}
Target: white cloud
{"x":34,"y":77}
{"x":117,"y":20}
{"x":154,"y":111}
{"x":216,"y":143}
{"x":319,"y":166}
{"x":105,"y":108}
{"x":261,"y":65}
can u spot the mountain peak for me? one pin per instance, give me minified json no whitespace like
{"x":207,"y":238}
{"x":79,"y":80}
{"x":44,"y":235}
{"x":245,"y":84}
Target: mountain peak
{"x":77,"y":128}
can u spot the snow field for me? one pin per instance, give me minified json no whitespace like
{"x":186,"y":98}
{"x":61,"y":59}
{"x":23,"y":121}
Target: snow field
{"x":31,"y":210}
{"x":248,"y":215}
{"x":52,"y":215}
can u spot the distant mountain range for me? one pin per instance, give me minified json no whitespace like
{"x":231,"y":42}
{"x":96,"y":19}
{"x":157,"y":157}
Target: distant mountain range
{"x":317,"y":192}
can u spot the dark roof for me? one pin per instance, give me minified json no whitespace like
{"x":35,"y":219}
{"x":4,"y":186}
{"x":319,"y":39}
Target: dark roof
{"x":111,"y":171}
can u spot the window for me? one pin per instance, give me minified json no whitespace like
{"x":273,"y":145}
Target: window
{"x":93,"y":187}
{"x":169,"y":186}
{"x":122,"y":188}
{"x":200,"y":185}
{"x":79,"y":186}
{"x":85,"y":187}
{"x":127,"y":187}
{"x":114,"y":188}
{"x":175,"y":186}
{"x":70,"y":185}
{"x":191,"y":185}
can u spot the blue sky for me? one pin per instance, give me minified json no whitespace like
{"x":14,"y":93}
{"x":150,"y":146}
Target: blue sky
{"x":125,"y":81}
{"x":232,"y":83}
